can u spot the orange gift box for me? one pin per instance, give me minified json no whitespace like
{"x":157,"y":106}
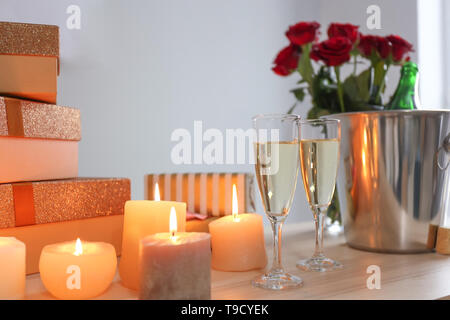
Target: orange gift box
{"x":43,"y":202}
{"x":204,"y":193}
{"x":104,"y":229}
{"x":197,"y":225}
{"x":37,"y":141}
{"x":29,"y":61}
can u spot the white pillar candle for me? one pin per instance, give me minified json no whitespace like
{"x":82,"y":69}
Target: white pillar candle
{"x":175,"y":265}
{"x":12,"y":268}
{"x":237,"y":241}
{"x":143,"y":218}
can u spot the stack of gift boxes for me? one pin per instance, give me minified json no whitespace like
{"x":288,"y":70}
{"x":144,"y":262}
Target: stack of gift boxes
{"x":41,"y":199}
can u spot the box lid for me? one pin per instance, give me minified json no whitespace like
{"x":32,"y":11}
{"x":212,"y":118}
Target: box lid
{"x":29,"y":39}
{"x":39,"y":202}
{"x":30,"y":119}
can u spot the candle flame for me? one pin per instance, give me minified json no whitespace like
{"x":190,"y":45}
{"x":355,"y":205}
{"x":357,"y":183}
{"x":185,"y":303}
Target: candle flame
{"x":156,"y":194}
{"x":235,"y":209}
{"x":78,"y":248}
{"x":173,"y":222}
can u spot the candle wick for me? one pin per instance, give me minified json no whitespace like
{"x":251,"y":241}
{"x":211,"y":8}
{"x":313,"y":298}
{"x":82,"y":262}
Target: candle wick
{"x":173,"y":233}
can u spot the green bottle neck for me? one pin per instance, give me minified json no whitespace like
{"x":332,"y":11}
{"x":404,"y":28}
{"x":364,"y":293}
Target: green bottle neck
{"x":406,"y":94}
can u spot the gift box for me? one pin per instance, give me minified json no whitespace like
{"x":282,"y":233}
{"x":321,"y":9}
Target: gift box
{"x":197,"y":225}
{"x":204,"y":193}
{"x":104,"y":229}
{"x":37,"y":141}
{"x":29,"y":61}
{"x":43,"y":202}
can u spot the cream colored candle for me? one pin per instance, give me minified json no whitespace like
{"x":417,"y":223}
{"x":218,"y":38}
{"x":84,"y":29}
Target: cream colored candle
{"x":175,"y":265}
{"x":238,"y":241}
{"x":12,"y":268}
{"x":77,"y":270}
{"x":143,"y":218}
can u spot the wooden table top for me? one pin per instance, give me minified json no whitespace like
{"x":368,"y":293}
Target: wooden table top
{"x":403,"y":276}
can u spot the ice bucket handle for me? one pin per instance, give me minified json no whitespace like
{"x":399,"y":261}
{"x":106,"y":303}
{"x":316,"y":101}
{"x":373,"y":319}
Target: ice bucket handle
{"x":444,"y":148}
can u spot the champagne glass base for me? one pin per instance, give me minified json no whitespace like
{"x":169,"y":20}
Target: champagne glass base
{"x":277,"y":281}
{"x":318,"y":264}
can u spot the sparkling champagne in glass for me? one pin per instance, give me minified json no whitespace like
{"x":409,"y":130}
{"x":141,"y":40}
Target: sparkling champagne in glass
{"x":319,"y":156}
{"x":277,"y":165}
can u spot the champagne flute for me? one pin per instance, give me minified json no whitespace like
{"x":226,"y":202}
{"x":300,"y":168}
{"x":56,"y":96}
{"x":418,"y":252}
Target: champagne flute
{"x":277,"y":165}
{"x":319,"y":156}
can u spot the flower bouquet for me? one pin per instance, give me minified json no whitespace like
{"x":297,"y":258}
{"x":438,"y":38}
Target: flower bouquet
{"x":320,"y":66}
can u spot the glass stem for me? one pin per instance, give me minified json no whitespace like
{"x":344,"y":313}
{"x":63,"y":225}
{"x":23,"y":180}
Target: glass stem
{"x":276,"y":264}
{"x":319,"y":218}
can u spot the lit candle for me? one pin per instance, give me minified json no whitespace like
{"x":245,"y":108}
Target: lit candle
{"x":77,"y":270}
{"x":237,"y":241}
{"x":143,"y":218}
{"x":12,"y":268}
{"x":175,"y":265}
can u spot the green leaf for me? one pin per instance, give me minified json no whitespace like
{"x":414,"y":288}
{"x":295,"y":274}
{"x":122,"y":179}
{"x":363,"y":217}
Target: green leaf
{"x":380,"y":73}
{"x":299,"y":93}
{"x":351,"y":89}
{"x":364,"y":81}
{"x":316,"y":112}
{"x":324,"y":92}
{"x":304,"y":65}
{"x":357,"y":88}
{"x":380,"y":69}
{"x":291,"y":109}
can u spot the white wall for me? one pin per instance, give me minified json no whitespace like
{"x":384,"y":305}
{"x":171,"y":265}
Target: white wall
{"x":433,"y":45}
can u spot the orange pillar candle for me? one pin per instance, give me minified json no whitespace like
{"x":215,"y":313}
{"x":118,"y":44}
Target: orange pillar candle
{"x":238,"y":241}
{"x":12,"y":268}
{"x":175,"y":265}
{"x":143,"y":218}
{"x":77,"y":270}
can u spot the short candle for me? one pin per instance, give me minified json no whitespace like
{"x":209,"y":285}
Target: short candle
{"x":77,"y":270}
{"x":143,"y":218}
{"x":12,"y":268}
{"x":175,"y":265}
{"x":237,"y":241}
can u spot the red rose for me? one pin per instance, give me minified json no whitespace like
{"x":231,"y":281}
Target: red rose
{"x":399,"y":47}
{"x":303,"y":32}
{"x":379,"y":45}
{"x":347,"y":30}
{"x":287,"y":60}
{"x":333,"y":52}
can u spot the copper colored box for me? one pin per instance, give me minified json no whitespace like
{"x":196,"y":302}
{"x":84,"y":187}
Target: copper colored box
{"x":197,"y":225}
{"x":37,"y":141}
{"x":104,"y":229}
{"x":29,"y":39}
{"x":29,"y":77}
{"x":34,"y":203}
{"x":29,"y":61}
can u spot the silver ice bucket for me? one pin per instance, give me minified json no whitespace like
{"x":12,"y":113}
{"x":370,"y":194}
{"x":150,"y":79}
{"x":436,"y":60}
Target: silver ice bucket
{"x":393,"y":177}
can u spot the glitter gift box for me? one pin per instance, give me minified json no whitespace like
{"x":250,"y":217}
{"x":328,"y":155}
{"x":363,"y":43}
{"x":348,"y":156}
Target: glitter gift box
{"x":208,"y":194}
{"x":35,"y":203}
{"x":37,"y":141}
{"x":29,"y":61}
